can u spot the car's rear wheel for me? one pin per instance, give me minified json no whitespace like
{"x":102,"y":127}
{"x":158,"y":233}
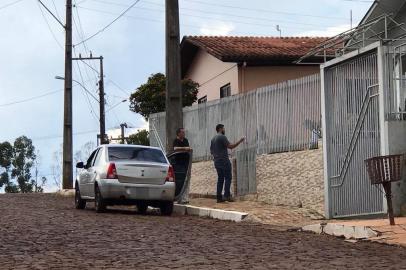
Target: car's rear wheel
{"x":166,"y":208}
{"x":79,"y":202}
{"x":142,"y":208}
{"x":99,"y":203}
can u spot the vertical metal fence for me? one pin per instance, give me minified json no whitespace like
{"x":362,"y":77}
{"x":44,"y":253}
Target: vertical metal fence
{"x":276,"y":118}
{"x":352,"y":135}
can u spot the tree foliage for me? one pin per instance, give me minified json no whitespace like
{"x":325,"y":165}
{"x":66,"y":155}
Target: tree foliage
{"x":16,"y":163}
{"x":150,"y":97}
{"x":140,"y":138}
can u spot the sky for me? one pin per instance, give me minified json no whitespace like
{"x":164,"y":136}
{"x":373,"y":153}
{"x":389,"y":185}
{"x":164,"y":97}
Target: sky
{"x":31,"y":55}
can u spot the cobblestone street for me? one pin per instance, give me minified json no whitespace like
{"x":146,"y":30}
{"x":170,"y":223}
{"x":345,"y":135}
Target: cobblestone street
{"x":45,"y":232}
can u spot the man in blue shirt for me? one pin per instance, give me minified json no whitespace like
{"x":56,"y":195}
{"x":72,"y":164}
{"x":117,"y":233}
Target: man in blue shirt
{"x":219,"y":149}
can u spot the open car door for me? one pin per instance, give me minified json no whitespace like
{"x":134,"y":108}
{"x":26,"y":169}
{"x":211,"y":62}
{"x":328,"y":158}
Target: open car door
{"x":182,"y":166}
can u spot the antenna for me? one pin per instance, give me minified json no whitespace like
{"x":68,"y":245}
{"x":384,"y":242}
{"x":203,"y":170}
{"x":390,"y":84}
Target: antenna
{"x":279,"y":30}
{"x":351,"y":18}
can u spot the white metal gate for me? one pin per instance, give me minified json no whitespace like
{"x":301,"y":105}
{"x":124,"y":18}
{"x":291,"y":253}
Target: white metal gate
{"x":352,"y":135}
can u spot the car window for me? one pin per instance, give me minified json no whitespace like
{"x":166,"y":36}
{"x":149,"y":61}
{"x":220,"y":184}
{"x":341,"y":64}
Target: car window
{"x":97,"y":158}
{"x":90,"y":159}
{"x":136,"y":153}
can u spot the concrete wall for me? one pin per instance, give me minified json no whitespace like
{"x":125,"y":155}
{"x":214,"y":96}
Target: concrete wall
{"x":251,"y":78}
{"x":212,"y":74}
{"x":397,"y":145}
{"x":291,"y":178}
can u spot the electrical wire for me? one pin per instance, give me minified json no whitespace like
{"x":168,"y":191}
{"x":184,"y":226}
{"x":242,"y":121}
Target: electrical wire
{"x":208,"y":12}
{"x":159,"y":21}
{"x":31,"y":98}
{"x":82,"y":37}
{"x":224,"y":20}
{"x":85,"y":93}
{"x":80,"y":34}
{"x":263,"y":10}
{"x":49,"y":27}
{"x":10,"y":4}
{"x":109,"y":24}
{"x":56,"y":10}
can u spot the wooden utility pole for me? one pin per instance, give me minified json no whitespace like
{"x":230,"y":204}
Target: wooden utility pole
{"x":102,"y":113}
{"x":101,"y":103}
{"x":174,"y":117}
{"x":124,"y":125}
{"x":67,"y":169}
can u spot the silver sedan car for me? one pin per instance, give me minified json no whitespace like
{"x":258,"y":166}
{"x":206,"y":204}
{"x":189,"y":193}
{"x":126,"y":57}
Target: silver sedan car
{"x":126,"y":175}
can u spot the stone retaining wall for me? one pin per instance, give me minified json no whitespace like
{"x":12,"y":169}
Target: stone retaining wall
{"x":291,"y":178}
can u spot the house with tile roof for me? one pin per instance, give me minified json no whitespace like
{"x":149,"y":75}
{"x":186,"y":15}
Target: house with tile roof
{"x":228,"y":65}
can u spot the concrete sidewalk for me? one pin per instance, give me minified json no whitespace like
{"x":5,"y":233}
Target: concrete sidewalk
{"x":376,"y":230}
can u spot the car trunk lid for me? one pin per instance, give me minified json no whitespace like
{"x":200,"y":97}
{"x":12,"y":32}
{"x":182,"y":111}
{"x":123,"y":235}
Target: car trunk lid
{"x":142,"y":173}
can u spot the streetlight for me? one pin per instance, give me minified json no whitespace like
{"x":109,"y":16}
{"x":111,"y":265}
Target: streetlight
{"x":115,"y":105}
{"x":90,"y":93}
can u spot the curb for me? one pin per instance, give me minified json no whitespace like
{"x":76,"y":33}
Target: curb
{"x":66,"y":193}
{"x":342,"y":230}
{"x":209,"y":213}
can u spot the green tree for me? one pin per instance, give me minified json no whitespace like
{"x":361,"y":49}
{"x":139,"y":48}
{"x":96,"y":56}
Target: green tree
{"x":6,"y":154}
{"x":140,"y":138}
{"x":16,"y":162}
{"x":149,"y":98}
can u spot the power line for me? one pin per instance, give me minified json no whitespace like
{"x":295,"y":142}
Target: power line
{"x":118,"y":87}
{"x":49,"y":27}
{"x":184,"y":25}
{"x":52,"y":14}
{"x":86,"y":50}
{"x":30,"y":99}
{"x":10,"y":4}
{"x":108,"y":25}
{"x":264,"y":10}
{"x":204,"y":3}
{"x":82,"y":37}
{"x":223,"y":20}
{"x":211,"y":12}
{"x":92,"y":112}
{"x":56,"y":10}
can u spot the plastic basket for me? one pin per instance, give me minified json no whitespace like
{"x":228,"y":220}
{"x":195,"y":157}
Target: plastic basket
{"x":385,"y":169}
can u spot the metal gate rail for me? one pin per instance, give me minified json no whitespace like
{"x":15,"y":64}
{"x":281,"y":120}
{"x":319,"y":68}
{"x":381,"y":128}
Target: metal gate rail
{"x":355,"y":135}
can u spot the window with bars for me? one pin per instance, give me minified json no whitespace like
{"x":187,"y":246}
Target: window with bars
{"x":202,"y":100}
{"x":225,"y":91}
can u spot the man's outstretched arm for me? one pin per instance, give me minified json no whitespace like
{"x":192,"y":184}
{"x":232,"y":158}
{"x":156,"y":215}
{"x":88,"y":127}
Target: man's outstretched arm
{"x":234,"y":145}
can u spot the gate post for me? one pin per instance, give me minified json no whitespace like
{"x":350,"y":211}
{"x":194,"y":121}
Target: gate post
{"x":327,"y":196}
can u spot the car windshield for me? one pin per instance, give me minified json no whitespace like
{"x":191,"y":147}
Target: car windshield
{"x":136,"y":153}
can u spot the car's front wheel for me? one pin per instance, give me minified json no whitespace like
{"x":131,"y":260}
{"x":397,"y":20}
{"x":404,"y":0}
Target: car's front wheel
{"x":166,"y":208}
{"x":79,"y":202}
{"x":99,"y":203}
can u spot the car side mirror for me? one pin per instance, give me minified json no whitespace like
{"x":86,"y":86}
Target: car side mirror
{"x":80,"y":165}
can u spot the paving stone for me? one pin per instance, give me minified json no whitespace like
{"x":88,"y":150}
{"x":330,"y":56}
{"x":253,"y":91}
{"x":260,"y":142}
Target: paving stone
{"x":35,"y":235}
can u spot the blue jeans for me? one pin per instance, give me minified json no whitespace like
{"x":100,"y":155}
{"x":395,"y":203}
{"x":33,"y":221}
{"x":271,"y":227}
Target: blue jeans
{"x":223,"y":168}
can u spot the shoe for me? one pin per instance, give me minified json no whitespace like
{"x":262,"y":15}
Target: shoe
{"x":220,"y":201}
{"x":229,"y":199}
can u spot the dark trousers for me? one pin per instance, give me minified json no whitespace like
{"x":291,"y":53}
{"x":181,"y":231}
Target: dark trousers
{"x":223,"y":168}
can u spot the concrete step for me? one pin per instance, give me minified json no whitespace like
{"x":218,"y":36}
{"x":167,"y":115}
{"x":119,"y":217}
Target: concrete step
{"x":209,"y":213}
{"x":342,"y":230}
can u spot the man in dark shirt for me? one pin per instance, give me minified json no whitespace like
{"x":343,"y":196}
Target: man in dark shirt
{"x":219,"y":149}
{"x":181,"y":165}
{"x":181,"y":144}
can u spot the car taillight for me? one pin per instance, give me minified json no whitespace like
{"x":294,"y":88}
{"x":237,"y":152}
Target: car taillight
{"x":171,"y":175}
{"x":112,"y":172}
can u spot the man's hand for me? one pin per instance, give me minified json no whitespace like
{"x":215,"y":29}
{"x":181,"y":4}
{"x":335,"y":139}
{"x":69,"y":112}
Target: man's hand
{"x":180,"y":149}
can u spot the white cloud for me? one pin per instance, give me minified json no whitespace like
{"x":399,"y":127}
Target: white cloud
{"x":328,"y":32}
{"x":217,"y":29}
